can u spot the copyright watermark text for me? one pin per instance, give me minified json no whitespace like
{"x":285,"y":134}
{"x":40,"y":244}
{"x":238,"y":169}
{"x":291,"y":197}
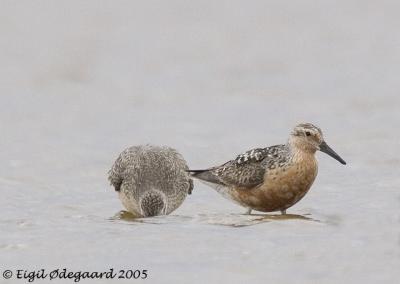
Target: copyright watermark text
{"x":75,"y":276}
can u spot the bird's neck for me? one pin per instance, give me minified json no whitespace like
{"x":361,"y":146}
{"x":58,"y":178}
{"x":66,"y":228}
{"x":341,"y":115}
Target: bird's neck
{"x":302,"y":152}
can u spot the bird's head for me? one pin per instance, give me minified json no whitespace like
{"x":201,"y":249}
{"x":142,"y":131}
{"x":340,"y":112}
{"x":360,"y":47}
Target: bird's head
{"x":308,"y":137}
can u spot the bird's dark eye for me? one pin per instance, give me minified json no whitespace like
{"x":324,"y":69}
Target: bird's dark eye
{"x":308,"y":133}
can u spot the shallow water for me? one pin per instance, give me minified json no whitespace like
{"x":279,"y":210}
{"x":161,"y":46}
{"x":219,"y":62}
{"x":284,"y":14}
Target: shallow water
{"x":81,"y":81}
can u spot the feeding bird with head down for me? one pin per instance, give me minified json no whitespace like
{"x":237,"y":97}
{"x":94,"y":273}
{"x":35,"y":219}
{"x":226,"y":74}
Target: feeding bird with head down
{"x":150,"y":180}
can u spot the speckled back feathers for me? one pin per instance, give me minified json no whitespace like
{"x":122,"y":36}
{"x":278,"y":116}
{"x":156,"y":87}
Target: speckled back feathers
{"x":248,"y":169}
{"x":140,"y":169}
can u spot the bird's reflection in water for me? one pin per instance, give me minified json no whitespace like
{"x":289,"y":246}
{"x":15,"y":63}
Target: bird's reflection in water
{"x":162,"y":219}
{"x":240,"y":220}
{"x":232,"y":220}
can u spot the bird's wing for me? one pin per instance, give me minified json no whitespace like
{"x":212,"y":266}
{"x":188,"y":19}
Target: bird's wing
{"x":244,"y":171}
{"x":247,"y":170}
{"x":116,"y":174}
{"x":190,"y":186}
{"x":115,"y":177}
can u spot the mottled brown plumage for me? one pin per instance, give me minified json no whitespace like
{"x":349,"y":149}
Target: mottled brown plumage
{"x":273,"y":178}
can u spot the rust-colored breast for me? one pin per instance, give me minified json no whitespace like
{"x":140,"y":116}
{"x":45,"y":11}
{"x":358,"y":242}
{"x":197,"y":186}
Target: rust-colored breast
{"x":282,"y":187}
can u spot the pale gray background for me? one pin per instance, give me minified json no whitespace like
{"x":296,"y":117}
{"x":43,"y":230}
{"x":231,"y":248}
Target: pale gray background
{"x":82,"y":80}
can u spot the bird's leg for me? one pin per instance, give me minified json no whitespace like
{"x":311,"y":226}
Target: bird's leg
{"x":283,"y":212}
{"x":248,"y":212}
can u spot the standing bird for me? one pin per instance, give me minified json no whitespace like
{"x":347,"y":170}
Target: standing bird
{"x":150,"y":180}
{"x":273,"y":178}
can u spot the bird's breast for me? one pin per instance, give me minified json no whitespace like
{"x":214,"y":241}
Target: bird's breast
{"x":282,"y":186}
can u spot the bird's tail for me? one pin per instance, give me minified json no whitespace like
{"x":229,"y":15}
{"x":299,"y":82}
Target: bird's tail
{"x":153,"y":203}
{"x":204,"y":175}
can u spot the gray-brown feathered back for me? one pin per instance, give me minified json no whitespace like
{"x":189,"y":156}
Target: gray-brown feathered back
{"x":150,"y":180}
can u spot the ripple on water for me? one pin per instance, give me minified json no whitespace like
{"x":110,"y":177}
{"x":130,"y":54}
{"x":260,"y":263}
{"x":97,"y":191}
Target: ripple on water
{"x":20,"y":223}
{"x":12,"y":246}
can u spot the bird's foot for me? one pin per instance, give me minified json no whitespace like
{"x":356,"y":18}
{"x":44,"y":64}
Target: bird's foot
{"x":283,"y":212}
{"x":248,"y":212}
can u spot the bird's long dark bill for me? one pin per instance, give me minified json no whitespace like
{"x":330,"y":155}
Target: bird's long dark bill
{"x":328,"y":150}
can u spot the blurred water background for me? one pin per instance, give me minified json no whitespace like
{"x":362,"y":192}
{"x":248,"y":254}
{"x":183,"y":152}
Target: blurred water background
{"x":82,"y":80}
